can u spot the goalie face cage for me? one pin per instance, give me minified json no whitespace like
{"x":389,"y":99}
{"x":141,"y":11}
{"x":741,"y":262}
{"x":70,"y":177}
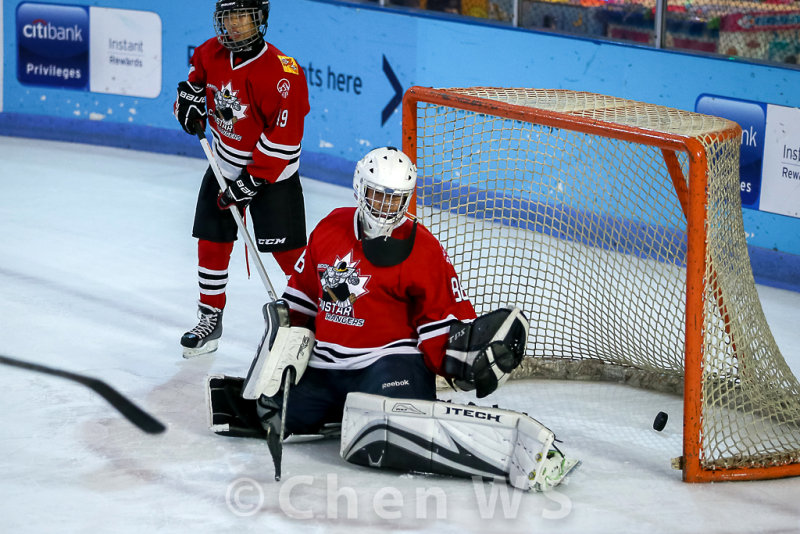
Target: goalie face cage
{"x":616,"y":226}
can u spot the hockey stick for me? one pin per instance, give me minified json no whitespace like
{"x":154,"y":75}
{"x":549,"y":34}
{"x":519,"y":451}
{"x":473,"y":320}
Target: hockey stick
{"x":143,"y":420}
{"x":275,"y":436}
{"x":235,"y":212}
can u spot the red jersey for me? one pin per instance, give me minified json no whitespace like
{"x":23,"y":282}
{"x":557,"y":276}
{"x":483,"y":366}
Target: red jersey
{"x":362,"y":312}
{"x":256,"y":109}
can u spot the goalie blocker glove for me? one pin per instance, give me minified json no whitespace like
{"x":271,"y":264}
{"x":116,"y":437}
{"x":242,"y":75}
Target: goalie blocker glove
{"x":481,"y":354}
{"x":240,"y":192}
{"x":283,"y":348}
{"x":190,"y":106}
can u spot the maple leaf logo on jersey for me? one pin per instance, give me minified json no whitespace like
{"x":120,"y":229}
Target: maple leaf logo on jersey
{"x":229,"y":109}
{"x":342,"y":282}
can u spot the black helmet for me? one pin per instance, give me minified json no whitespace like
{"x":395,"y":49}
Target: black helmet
{"x":257,"y":10}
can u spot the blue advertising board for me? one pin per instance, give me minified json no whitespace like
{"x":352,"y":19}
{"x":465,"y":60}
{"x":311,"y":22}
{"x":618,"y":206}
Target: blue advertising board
{"x":53,"y":45}
{"x":769,"y":157}
{"x":752,"y":117}
{"x":96,"y":49}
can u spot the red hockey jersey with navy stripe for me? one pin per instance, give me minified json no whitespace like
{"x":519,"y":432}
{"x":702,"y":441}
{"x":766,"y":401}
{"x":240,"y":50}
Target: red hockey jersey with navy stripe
{"x":256,"y":109}
{"x":362,"y":312}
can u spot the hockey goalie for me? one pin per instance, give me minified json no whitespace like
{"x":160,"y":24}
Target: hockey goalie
{"x":372,"y":313}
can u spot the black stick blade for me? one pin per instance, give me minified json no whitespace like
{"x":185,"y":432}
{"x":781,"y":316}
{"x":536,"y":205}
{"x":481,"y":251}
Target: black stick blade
{"x":276,"y":450}
{"x":143,"y":420}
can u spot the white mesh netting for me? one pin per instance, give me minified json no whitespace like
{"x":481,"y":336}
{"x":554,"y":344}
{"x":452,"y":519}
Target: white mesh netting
{"x":586,"y":233}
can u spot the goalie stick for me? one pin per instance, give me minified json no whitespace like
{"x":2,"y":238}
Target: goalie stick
{"x":143,"y":420}
{"x":235,"y":212}
{"x":275,"y":436}
{"x":229,"y":414}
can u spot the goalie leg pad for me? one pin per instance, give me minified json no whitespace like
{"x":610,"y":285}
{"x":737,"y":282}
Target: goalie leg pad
{"x":481,"y":354}
{"x":282,"y":347}
{"x":228,"y":413}
{"x":450,"y":439}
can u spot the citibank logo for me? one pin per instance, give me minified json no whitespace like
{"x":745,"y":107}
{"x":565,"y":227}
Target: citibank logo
{"x":41,"y":29}
{"x":53,"y":45}
{"x":53,"y":30}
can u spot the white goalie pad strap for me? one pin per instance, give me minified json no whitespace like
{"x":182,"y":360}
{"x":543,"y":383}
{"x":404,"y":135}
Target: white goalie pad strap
{"x":291,"y":348}
{"x":445,"y":438}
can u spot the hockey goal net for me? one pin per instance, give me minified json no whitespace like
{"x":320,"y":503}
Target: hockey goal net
{"x":616,"y":226}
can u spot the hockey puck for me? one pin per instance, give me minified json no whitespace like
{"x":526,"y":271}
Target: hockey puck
{"x":660,"y":421}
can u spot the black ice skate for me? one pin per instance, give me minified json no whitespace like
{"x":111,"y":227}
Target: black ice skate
{"x":204,"y":337}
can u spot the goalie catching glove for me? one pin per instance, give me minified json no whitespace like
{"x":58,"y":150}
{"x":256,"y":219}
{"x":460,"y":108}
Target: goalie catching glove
{"x":481,"y":354}
{"x":190,"y":106}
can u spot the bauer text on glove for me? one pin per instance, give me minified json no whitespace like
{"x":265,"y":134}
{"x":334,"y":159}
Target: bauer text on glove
{"x":240,"y":192}
{"x":190,"y":106}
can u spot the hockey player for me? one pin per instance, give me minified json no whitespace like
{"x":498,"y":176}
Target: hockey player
{"x":378,"y":294}
{"x":257,"y":100}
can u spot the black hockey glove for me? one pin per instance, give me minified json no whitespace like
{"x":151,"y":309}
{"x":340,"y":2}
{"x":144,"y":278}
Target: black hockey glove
{"x":240,"y":192}
{"x":481,"y":354}
{"x":190,"y":106}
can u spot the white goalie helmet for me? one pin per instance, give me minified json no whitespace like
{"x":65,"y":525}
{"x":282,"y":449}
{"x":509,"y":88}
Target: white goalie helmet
{"x":383,"y":182}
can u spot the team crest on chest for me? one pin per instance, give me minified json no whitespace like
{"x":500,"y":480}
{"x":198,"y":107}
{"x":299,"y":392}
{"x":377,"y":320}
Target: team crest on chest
{"x":229,"y":109}
{"x":342,"y":284}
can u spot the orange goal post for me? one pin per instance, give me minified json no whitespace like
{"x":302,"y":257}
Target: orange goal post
{"x":616,"y":226}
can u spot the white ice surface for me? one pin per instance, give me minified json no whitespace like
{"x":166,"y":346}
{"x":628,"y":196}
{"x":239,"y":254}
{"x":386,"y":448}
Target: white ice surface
{"x":98,"y":276}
